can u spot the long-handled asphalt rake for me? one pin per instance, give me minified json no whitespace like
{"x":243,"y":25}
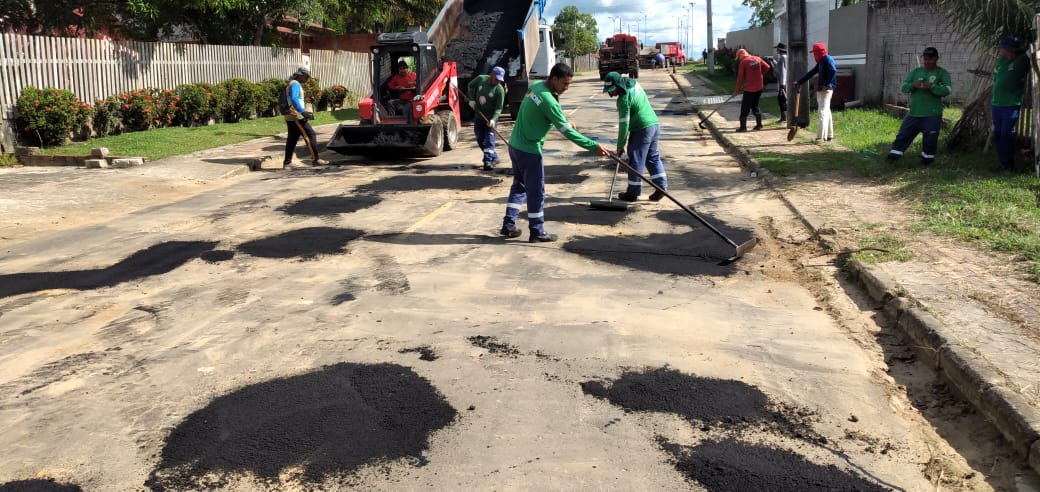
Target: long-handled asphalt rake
{"x":741,"y":249}
{"x":704,"y":120}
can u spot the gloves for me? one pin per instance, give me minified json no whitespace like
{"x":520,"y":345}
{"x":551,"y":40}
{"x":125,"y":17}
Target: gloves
{"x":473,"y":104}
{"x":307,"y":115}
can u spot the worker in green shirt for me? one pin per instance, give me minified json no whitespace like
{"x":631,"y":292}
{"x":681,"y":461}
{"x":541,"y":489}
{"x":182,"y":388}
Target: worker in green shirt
{"x":636,"y":115}
{"x":1009,"y":82}
{"x":539,"y":112}
{"x":486,"y":97}
{"x":927,"y":85}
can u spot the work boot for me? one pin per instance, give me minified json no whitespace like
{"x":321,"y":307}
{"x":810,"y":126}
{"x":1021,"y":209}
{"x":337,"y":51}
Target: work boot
{"x":742,"y":129}
{"x":489,"y":166}
{"x":656,"y":196}
{"x":783,"y":117}
{"x":892,"y":157}
{"x":758,"y":122}
{"x":510,"y":231}
{"x":544,"y":237}
{"x":756,"y":128}
{"x":626,"y":196}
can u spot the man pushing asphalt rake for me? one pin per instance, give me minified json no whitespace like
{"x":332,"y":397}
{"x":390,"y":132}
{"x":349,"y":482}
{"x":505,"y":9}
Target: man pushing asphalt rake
{"x":739,"y":249}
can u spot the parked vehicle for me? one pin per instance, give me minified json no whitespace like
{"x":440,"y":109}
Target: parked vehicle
{"x":619,"y":53}
{"x":672,"y":52}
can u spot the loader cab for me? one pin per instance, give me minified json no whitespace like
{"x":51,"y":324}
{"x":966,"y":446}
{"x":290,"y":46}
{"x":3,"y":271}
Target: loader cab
{"x":414,"y":50}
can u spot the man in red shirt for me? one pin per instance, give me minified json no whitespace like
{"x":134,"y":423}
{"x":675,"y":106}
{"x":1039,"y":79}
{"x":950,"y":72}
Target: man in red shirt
{"x":751,"y":72}
{"x":402,"y":87}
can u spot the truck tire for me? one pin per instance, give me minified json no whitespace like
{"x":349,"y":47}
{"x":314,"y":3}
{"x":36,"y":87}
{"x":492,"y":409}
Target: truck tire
{"x":634,"y":73}
{"x":451,"y":129}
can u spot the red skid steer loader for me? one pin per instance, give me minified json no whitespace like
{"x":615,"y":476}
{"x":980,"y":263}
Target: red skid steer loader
{"x":421,"y":125}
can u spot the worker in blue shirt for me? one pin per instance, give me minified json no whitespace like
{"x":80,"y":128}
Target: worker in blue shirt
{"x":825,"y":86}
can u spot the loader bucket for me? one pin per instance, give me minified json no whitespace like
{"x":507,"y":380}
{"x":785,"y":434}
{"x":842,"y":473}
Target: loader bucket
{"x":387,"y":140}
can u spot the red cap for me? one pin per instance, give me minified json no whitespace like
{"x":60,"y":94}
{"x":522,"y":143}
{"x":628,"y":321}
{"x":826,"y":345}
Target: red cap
{"x":819,"y":48}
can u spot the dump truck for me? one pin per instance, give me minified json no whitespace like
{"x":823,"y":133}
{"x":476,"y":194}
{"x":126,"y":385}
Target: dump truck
{"x":619,"y":53}
{"x":414,"y":121}
{"x":480,"y":34}
{"x":672,"y":52}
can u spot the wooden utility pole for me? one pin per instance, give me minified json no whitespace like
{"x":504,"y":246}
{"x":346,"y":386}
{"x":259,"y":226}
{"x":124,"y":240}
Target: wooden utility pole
{"x":797,"y":61}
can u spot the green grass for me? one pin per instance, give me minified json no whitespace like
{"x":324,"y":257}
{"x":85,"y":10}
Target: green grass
{"x":885,"y":247}
{"x":165,"y":142}
{"x":8,"y":160}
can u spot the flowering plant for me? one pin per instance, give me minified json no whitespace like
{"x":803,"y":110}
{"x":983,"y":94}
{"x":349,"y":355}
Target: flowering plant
{"x":48,"y":116}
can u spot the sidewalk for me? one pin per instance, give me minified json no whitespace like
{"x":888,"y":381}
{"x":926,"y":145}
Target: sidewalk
{"x":969,"y":314}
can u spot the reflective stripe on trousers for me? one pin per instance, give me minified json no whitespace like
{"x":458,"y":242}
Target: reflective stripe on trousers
{"x":643,"y":155}
{"x":529,"y":185}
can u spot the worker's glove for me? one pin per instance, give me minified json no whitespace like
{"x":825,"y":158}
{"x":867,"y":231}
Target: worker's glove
{"x":307,"y":115}
{"x":473,"y":104}
{"x":492,"y":123}
{"x":483,"y":100}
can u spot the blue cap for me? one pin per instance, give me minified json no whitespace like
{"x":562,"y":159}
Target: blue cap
{"x":499,"y":73}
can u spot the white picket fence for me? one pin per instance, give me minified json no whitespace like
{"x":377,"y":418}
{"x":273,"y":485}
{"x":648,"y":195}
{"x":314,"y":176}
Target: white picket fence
{"x":94,"y":69}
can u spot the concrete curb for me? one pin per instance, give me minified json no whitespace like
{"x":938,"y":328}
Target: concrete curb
{"x":977,"y":380}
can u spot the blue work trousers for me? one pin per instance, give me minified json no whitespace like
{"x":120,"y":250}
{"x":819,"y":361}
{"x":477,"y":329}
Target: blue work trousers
{"x":485,"y":139}
{"x":927,"y":126}
{"x":643,"y":155}
{"x":529,"y":185}
{"x":1005,"y":119}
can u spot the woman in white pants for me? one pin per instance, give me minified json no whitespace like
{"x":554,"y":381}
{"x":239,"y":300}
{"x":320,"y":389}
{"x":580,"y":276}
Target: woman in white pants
{"x":825,"y":86}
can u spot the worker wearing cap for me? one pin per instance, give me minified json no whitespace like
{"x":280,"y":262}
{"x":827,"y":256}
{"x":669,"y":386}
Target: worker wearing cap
{"x":638,"y":125}
{"x":297,"y":119}
{"x":1009,"y":82}
{"x":780,"y":67}
{"x":751,"y":71}
{"x":825,"y":85}
{"x":539,"y":112}
{"x":486,"y":97}
{"x":927,"y":85}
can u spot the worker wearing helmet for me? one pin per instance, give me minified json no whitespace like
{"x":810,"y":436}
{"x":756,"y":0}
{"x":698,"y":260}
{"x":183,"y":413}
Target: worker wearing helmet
{"x":638,"y":125}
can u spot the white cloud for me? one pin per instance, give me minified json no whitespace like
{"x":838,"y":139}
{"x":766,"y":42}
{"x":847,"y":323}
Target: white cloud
{"x":660,"y":21}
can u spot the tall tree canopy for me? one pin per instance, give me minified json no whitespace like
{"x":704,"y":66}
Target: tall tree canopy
{"x":761,"y":12}
{"x":575,"y":33}
{"x":211,"y":21}
{"x":984,"y":22}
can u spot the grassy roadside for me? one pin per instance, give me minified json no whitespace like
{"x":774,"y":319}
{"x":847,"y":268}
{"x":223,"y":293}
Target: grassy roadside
{"x":165,"y":142}
{"x":959,"y":196}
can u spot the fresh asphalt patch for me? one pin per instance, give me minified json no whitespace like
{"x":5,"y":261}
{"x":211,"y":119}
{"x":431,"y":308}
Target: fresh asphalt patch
{"x":38,"y":485}
{"x":154,"y":260}
{"x":425,"y":352}
{"x":322,"y":425}
{"x":492,"y":345}
{"x":576,"y":213}
{"x":729,"y":465}
{"x":694,"y":253}
{"x":307,"y":243}
{"x":323,"y":206}
{"x":427,"y":182}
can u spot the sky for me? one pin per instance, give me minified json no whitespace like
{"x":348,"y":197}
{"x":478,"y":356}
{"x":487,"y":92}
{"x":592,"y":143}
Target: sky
{"x":660,"y":20}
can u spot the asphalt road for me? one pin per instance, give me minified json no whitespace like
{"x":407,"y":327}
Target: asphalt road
{"x":363,"y":326}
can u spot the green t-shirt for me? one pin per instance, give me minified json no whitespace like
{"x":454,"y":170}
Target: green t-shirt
{"x":494,"y":96}
{"x":927,"y":102}
{"x":539,"y":112}
{"x":1009,"y":81}
{"x":634,"y":110}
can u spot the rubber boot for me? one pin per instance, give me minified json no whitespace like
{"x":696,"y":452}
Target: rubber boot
{"x":783,"y":117}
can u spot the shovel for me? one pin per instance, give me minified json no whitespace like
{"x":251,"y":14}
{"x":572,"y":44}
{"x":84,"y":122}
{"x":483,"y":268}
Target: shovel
{"x":740,"y":249}
{"x":794,"y":118}
{"x":716,"y":110}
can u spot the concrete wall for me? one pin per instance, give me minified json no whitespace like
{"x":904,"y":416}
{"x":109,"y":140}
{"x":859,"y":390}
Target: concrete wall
{"x":898,"y":35}
{"x":850,"y":49}
{"x":757,"y":40}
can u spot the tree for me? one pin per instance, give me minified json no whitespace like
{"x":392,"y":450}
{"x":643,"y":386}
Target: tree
{"x":761,"y":12}
{"x":983,"y":23}
{"x":575,"y":33}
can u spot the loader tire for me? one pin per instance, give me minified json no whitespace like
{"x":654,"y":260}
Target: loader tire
{"x":451,"y":129}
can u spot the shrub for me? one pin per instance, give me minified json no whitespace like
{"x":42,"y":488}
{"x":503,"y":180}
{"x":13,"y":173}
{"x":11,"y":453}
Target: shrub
{"x":218,"y":99}
{"x":270,"y":89}
{"x":166,"y":105}
{"x":195,"y":104}
{"x":727,"y":60}
{"x":336,"y":96}
{"x":106,"y":117}
{"x":137,"y":109}
{"x":49,"y":116}
{"x":242,"y":98}
{"x":311,"y":92}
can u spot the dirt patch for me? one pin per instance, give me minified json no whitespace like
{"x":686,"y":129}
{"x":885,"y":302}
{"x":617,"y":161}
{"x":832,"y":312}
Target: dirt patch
{"x":427,"y":182}
{"x":154,"y":260}
{"x":425,"y":352}
{"x":323,"y":206}
{"x":38,"y":485}
{"x":730,"y":465}
{"x":307,"y":243}
{"x":326,"y":423}
{"x":705,"y":402}
{"x":492,"y":345}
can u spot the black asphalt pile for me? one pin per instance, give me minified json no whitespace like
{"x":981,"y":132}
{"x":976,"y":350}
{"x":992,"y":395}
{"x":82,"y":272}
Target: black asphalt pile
{"x":307,"y":243}
{"x":692,"y":253}
{"x":730,"y":465}
{"x":154,"y":260}
{"x":38,"y":485}
{"x":468,"y":50}
{"x":492,"y":345}
{"x":323,"y":206}
{"x":427,"y":182}
{"x":328,"y":423}
{"x":707,"y":403}
{"x":580,"y":214}
{"x":425,"y":352}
